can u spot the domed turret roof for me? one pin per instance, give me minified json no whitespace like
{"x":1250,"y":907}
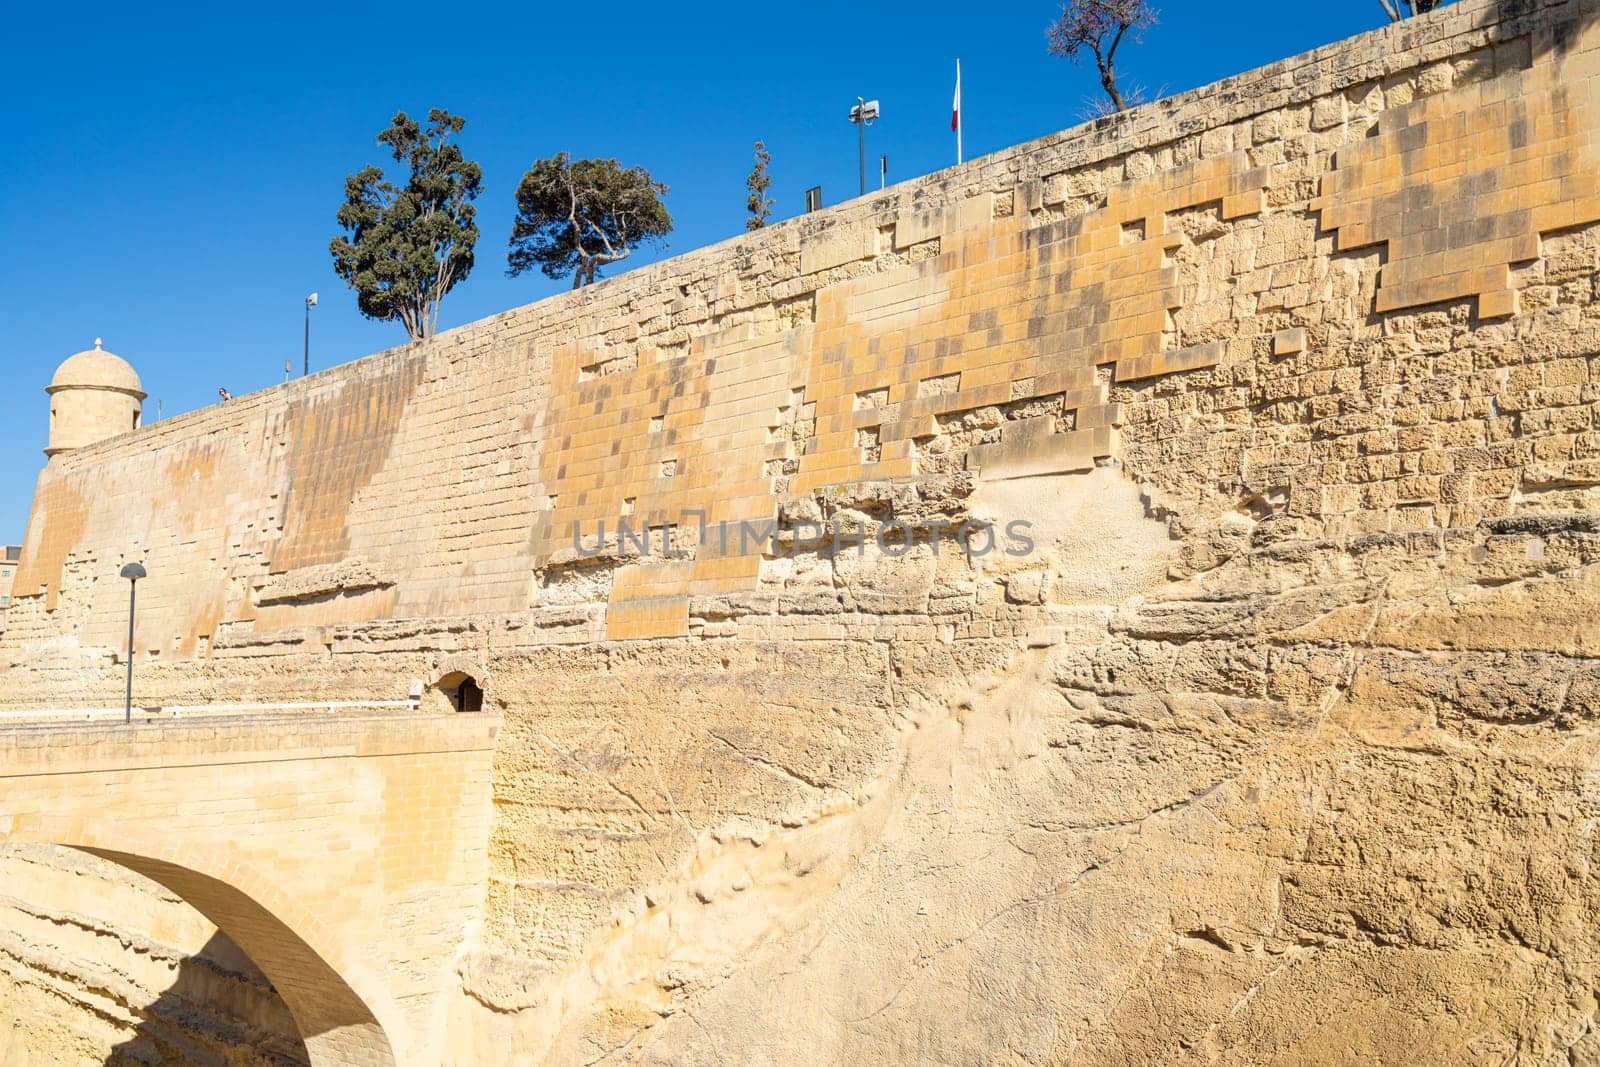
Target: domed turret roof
{"x":95,"y":368}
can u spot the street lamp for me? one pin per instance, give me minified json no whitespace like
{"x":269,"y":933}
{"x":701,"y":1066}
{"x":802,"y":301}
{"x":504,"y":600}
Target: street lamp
{"x":133,"y":572}
{"x":311,"y":302}
{"x":862,"y":115}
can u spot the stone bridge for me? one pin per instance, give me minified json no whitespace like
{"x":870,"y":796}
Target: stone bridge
{"x":343,"y":853}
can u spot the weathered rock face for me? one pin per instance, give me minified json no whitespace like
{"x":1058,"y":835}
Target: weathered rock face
{"x":157,"y":985}
{"x":1277,"y":744}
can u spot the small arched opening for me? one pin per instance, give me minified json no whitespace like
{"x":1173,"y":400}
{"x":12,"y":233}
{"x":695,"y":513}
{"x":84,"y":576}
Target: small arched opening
{"x":462,"y":691}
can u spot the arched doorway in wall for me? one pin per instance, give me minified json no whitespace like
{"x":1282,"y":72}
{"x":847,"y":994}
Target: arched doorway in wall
{"x":334,"y":1023}
{"x":461,"y":690}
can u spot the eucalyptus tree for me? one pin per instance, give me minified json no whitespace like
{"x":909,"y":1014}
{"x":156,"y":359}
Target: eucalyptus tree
{"x":408,"y":243}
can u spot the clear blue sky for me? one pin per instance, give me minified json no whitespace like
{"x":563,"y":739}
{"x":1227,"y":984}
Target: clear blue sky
{"x":171,"y":180}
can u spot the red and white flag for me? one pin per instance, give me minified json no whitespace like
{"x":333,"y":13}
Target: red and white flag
{"x":955,"y":105}
{"x":955,"y":112}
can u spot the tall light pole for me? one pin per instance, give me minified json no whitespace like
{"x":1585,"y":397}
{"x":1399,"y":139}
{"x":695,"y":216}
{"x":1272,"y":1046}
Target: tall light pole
{"x":863,"y":114}
{"x":311,"y":302}
{"x":133,"y":572}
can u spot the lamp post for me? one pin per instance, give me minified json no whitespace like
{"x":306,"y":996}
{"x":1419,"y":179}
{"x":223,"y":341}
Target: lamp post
{"x":311,"y":302}
{"x":862,"y":115}
{"x":133,"y":572}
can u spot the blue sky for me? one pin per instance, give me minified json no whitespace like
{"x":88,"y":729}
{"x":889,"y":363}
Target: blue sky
{"x":171,"y":182}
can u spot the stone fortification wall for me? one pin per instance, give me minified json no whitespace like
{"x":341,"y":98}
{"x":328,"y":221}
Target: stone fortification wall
{"x":1279,"y":745}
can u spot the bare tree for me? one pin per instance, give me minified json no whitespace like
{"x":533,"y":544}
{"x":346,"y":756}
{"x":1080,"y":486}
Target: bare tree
{"x":1404,"y":9}
{"x":1099,"y":26}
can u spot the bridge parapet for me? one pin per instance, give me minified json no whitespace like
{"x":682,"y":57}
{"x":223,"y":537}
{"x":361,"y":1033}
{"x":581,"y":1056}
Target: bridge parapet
{"x":169,"y":712}
{"x":67,"y":746}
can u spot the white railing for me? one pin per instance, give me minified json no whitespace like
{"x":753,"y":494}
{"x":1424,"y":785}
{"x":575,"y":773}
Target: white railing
{"x":175,"y":711}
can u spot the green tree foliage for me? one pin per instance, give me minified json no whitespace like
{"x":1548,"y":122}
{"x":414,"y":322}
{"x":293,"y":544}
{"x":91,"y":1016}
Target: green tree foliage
{"x":578,"y":215}
{"x":1099,"y":26}
{"x":756,"y":184}
{"x":1404,"y":9}
{"x":406,"y":246}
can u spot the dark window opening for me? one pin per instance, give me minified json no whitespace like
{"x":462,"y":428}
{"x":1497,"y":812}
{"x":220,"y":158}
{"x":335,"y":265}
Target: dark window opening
{"x":462,"y":690}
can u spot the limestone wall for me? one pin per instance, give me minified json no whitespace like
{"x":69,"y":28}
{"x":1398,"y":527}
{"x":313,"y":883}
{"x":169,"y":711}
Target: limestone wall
{"x":1083,"y":273}
{"x":1279,"y":746}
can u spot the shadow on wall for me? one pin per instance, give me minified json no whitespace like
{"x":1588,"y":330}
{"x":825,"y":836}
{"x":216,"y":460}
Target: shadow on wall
{"x":219,"y":1009}
{"x":1564,"y":29}
{"x":1566,"y":33}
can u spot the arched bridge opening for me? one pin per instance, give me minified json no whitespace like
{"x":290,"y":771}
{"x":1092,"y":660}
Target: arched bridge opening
{"x":335,"y":1023}
{"x":305,"y":839}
